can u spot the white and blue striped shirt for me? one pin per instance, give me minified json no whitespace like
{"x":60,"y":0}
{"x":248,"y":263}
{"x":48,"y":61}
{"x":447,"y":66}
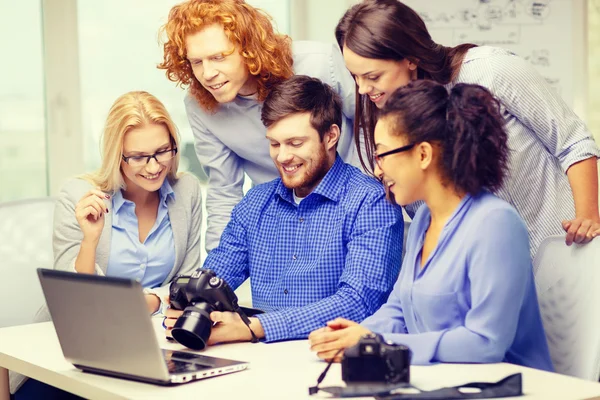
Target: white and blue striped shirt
{"x":545,"y":138}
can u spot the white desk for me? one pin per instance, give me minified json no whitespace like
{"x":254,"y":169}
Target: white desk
{"x":277,"y":371}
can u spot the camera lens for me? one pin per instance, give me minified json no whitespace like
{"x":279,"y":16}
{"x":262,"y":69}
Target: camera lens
{"x":192,"y":328}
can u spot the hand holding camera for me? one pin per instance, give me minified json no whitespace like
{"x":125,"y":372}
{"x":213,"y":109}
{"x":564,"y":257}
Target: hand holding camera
{"x":205,"y":311}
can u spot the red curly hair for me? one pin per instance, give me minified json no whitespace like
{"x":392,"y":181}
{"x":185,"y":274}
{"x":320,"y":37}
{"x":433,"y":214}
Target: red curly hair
{"x":267,"y":54}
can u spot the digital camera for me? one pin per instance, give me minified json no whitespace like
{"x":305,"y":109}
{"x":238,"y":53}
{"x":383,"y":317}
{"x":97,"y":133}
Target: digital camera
{"x":198,"y":295}
{"x":374,"y":360}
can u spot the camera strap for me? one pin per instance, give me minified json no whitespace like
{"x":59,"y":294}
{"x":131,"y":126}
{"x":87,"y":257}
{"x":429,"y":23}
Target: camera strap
{"x":246,"y":320}
{"x":511,"y":386}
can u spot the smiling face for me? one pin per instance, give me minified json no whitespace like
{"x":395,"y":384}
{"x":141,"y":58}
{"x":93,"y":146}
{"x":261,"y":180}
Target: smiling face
{"x":376,"y":78}
{"x":218,"y":64}
{"x":402,"y":173}
{"x":144,"y":141}
{"x":301,"y":157}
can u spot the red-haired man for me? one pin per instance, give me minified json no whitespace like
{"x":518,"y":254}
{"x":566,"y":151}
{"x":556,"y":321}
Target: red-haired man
{"x":229,"y":56}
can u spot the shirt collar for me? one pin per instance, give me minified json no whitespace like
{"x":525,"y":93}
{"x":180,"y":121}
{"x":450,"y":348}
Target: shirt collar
{"x":330,"y":187}
{"x":165,"y":191}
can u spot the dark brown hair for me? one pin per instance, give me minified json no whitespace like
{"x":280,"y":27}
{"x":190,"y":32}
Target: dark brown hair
{"x":301,"y":94}
{"x":467,"y":124}
{"x":390,"y":30}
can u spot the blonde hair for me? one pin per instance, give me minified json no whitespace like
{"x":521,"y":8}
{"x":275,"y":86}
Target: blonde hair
{"x":130,"y":111}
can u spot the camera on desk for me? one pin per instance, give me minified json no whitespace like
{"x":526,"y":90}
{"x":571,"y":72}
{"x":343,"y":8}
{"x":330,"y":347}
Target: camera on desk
{"x":374,"y":360}
{"x":198,"y":295}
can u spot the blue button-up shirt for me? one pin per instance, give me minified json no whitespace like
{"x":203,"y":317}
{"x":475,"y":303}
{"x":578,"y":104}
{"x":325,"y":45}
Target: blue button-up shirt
{"x":474,"y":300}
{"x":149,"y":262}
{"x":230,"y":142}
{"x":336,"y":254}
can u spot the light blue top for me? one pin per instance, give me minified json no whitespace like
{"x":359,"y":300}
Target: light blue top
{"x":231,"y":141}
{"x":474,"y":301}
{"x":149,"y":262}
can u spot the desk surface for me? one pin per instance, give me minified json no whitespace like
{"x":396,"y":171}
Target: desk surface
{"x":277,"y":371}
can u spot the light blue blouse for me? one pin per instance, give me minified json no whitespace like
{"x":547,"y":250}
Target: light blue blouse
{"x":150,"y":262}
{"x":474,"y":301}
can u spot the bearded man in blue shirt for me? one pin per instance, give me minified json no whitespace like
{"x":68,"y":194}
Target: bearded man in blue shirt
{"x":318,"y":242}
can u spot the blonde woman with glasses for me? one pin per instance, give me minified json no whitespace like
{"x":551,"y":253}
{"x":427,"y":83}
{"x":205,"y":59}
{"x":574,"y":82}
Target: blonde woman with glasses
{"x":134,"y":217}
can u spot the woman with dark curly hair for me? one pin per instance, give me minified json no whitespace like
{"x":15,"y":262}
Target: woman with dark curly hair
{"x":230,"y":57}
{"x":553,"y":178}
{"x":465,"y":292}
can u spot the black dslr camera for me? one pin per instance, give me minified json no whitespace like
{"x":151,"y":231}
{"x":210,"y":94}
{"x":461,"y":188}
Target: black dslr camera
{"x":198,"y":295}
{"x":374,"y":360}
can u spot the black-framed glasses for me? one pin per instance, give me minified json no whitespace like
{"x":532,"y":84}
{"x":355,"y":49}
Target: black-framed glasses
{"x":160,"y":157}
{"x":379,"y":157}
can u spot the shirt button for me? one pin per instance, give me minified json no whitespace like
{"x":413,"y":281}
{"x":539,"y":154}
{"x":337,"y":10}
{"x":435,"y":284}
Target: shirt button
{"x":294,"y":257}
{"x":138,"y":279}
{"x":301,"y":219}
{"x":142,"y":266}
{"x":285,"y":291}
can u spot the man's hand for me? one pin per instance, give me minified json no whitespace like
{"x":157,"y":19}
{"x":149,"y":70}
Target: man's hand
{"x":229,"y":327}
{"x":339,"y":334}
{"x":171,"y":318}
{"x":580,"y":230}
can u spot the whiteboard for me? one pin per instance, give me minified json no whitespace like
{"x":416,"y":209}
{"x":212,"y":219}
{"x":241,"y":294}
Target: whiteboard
{"x":550,"y":34}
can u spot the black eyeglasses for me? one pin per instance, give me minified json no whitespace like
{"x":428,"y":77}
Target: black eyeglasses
{"x":379,"y":157}
{"x":160,"y":157}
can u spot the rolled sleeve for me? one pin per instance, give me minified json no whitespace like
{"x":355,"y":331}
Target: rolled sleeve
{"x":526,"y":95}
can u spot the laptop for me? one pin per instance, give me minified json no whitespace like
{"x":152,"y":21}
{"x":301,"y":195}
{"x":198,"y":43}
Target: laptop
{"x":103,"y":327}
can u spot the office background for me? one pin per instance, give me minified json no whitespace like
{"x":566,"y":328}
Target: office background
{"x":65,"y":61}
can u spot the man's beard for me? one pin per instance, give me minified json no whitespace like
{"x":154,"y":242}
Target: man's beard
{"x":314,"y":173}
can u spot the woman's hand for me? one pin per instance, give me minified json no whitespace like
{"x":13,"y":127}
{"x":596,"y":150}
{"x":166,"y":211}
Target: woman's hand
{"x":339,"y":334}
{"x":89,"y":212}
{"x":581,"y":230}
{"x":153,"y":302}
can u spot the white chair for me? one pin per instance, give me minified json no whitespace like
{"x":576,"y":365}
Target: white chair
{"x":25,"y":245}
{"x":568,"y":287}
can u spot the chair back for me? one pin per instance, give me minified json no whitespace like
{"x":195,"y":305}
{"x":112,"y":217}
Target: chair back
{"x":567,"y":280}
{"x":25,"y":245}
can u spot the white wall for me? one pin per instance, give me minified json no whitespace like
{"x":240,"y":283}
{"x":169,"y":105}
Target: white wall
{"x":317,"y":19}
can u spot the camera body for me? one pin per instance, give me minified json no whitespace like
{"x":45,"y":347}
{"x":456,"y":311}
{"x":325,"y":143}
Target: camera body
{"x":198,"y":295}
{"x":374,"y":360}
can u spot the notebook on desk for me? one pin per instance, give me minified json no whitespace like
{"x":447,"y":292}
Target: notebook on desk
{"x":103,"y":327}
